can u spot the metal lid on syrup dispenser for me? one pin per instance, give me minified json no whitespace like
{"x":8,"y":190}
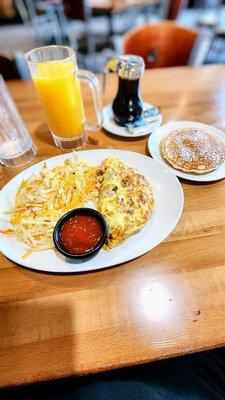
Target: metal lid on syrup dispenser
{"x":130,"y":67}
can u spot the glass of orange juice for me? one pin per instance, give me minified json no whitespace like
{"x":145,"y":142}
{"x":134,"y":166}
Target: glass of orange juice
{"x":57,"y":79}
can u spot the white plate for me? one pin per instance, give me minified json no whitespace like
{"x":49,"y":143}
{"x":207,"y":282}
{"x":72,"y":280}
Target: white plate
{"x":158,"y":134}
{"x":110,"y":125}
{"x":168,"y":196}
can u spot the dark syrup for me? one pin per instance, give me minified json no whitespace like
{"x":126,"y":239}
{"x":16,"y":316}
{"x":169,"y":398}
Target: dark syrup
{"x":127,"y":106}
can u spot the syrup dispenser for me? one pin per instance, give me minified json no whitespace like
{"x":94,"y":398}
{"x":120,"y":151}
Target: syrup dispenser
{"x":127,"y":105}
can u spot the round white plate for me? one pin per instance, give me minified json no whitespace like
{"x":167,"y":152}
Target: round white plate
{"x":154,"y":149}
{"x":168,"y":196}
{"x":110,"y":125}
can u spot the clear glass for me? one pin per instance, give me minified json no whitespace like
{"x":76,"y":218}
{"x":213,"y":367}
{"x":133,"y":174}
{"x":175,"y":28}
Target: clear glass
{"x":16,"y":145}
{"x":57,"y":79}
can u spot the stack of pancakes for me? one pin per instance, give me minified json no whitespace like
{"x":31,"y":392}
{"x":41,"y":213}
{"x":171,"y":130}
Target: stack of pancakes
{"x":192,"y":150}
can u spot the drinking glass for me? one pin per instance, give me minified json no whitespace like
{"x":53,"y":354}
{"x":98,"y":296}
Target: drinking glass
{"x":57,"y":79}
{"x":16,"y":145}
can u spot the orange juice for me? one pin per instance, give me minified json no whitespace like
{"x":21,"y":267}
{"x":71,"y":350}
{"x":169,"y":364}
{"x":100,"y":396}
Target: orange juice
{"x":61,"y":98}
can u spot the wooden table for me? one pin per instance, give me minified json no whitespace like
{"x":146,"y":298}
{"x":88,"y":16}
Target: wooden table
{"x":109,"y":7}
{"x":119,"y":5}
{"x":168,"y":302}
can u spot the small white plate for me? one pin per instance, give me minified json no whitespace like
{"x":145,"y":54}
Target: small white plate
{"x":111,"y":126}
{"x":158,"y":134}
{"x":168,"y":197}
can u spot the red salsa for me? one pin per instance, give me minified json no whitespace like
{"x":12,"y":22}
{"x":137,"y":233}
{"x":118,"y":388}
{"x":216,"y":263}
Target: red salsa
{"x":80,"y":234}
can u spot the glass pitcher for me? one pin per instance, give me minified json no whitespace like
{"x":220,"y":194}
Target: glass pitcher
{"x":57,"y":79}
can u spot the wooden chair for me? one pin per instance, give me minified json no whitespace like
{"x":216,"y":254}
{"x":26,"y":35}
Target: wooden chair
{"x":216,"y":52}
{"x":8,"y":67}
{"x":75,"y":9}
{"x":44,"y":22}
{"x":161,"y":45}
{"x":175,"y":7}
{"x":80,"y":10}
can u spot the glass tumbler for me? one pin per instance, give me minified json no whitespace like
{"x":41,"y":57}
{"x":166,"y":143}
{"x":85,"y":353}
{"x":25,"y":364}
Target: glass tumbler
{"x":16,"y":145}
{"x":57,"y":79}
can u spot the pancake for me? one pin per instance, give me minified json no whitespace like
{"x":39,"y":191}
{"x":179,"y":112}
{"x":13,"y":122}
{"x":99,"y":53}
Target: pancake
{"x":192,"y":150}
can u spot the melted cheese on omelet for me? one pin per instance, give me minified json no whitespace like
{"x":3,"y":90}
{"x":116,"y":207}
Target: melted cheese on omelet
{"x":125,"y":200}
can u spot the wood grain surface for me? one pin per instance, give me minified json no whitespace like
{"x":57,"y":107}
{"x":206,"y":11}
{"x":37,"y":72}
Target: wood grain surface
{"x":168,"y":302}
{"x":118,"y":5}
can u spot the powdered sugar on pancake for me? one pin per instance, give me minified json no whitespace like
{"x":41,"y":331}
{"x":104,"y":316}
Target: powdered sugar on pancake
{"x":193,"y":150}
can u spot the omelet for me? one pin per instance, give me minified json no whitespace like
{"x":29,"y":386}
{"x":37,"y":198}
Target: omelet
{"x":125,"y":200}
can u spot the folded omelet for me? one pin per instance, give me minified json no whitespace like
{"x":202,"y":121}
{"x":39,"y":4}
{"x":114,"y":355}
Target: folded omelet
{"x":125,"y":200}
